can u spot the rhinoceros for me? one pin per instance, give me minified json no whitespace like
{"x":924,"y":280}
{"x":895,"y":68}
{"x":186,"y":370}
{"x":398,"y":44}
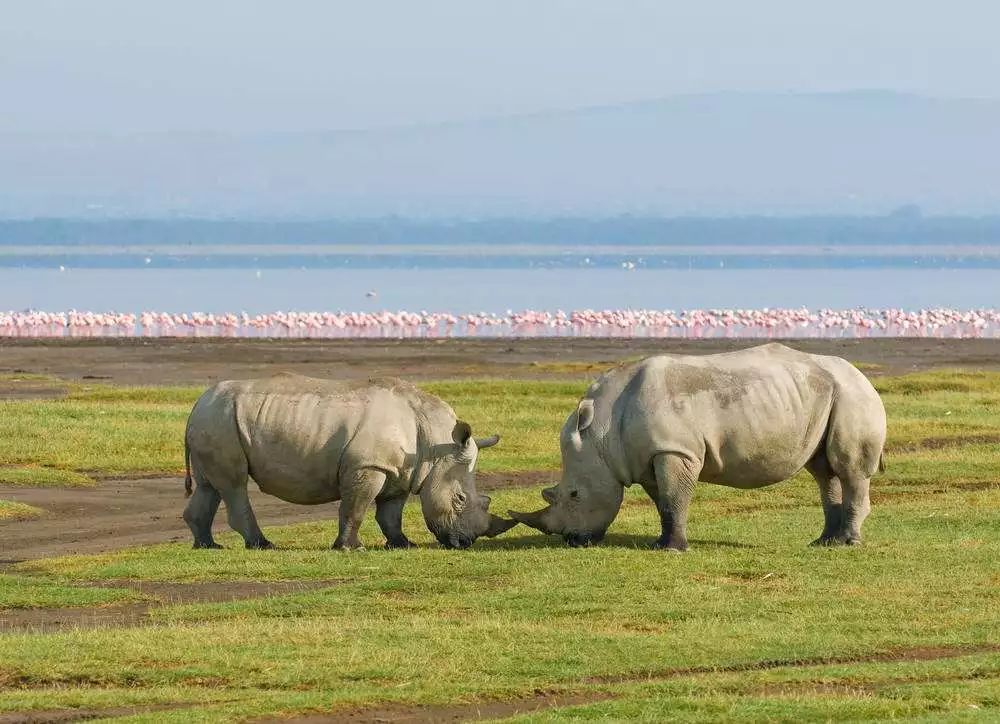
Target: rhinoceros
{"x":743,"y":419}
{"x":314,"y":441}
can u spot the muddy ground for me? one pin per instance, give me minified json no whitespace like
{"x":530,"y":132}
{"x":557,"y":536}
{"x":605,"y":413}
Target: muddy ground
{"x":202,"y":361}
{"x":117,"y":514}
{"x":122,"y":513}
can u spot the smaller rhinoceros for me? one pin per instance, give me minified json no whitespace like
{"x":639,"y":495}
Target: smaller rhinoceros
{"x":744,"y":419}
{"x":315,"y":441}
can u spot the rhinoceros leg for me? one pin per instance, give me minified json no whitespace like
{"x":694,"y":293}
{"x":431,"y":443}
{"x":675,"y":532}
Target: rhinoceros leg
{"x":358,"y":491}
{"x":831,"y":495}
{"x":241,"y":517}
{"x":857,"y":505}
{"x":675,"y":481}
{"x":200,"y":512}
{"x":389,"y":515}
{"x":845,"y":502}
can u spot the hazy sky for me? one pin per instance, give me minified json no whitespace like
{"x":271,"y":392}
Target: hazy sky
{"x":125,"y":65}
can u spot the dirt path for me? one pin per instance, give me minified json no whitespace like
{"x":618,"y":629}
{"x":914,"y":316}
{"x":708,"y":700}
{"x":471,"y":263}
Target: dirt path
{"x":203,"y":361}
{"x":475,"y":711}
{"x":56,"y":716}
{"x":116,"y":514}
{"x":29,"y":390}
{"x":38,"y":620}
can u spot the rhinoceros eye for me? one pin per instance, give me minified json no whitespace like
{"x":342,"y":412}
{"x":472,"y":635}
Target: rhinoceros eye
{"x":574,"y":493}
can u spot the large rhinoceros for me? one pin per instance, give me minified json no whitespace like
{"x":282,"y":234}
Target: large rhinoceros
{"x":744,"y":419}
{"x":314,"y":441}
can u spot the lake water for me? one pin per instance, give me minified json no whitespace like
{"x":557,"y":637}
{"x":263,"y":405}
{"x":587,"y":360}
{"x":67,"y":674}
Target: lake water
{"x":490,"y":290}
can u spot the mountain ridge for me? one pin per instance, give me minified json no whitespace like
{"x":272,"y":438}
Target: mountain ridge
{"x":729,"y":153}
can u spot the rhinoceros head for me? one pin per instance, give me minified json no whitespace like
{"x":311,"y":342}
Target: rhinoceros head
{"x":587,"y":499}
{"x":453,"y":509}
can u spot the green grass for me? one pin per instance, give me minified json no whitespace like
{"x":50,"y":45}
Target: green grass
{"x":523,"y":612}
{"x":99,"y":429}
{"x":11,"y":510}
{"x":86,"y":434}
{"x":924,"y":383}
{"x":859,"y":692}
{"x":869,"y":367}
{"x":527,"y":414}
{"x":24,"y":592}
{"x":106,"y":430}
{"x":37,"y":476}
{"x":750,"y":625}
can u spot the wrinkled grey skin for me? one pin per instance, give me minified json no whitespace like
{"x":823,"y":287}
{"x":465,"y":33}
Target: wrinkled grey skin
{"x":314,"y":441}
{"x":744,"y":419}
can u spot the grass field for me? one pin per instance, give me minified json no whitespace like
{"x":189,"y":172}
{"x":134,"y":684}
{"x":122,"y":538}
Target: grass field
{"x":751,"y":624}
{"x":100,"y":430}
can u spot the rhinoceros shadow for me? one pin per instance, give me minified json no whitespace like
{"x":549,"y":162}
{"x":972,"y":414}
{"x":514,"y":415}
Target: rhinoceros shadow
{"x":613,"y":540}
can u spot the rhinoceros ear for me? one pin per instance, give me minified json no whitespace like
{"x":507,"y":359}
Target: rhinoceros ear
{"x":462,"y":432}
{"x":584,"y":414}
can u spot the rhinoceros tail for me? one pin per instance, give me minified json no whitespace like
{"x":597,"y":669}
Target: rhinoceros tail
{"x":187,"y":468}
{"x":881,"y":462}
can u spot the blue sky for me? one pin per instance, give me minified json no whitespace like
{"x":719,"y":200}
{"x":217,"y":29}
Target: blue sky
{"x":124,"y":65}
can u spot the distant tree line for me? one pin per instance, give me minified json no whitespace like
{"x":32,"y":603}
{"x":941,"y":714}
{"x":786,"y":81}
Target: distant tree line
{"x":906,"y":226}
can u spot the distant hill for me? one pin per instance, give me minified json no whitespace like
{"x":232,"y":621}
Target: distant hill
{"x":720,"y":154}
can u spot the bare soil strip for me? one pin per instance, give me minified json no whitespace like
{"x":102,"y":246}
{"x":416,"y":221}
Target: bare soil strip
{"x":545,"y":700}
{"x":917,"y":653}
{"x":115,"y":514}
{"x":820,"y":688}
{"x":938,"y":443}
{"x":205,"y":361}
{"x":42,"y":620}
{"x":56,"y":716}
{"x":28,"y":391}
{"x":521,"y":479}
{"x":541,"y":701}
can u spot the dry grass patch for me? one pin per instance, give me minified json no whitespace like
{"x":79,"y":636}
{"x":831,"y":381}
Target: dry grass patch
{"x":39,"y":476}
{"x":12,"y":510}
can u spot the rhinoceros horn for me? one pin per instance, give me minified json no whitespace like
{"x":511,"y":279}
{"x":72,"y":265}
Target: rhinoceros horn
{"x":538,"y":520}
{"x":498,"y":525}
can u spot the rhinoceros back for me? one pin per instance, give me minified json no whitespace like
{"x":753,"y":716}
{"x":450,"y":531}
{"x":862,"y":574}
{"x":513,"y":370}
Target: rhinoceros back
{"x":297,"y":433}
{"x":751,"y":417}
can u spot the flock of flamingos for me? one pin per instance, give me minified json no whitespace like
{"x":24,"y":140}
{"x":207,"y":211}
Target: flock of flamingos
{"x":801,"y":322}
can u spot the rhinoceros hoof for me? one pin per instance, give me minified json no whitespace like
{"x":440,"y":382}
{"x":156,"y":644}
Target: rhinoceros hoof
{"x":199,"y":545}
{"x":395,"y":544}
{"x":670,"y":546}
{"x":261,"y":545}
{"x":836,"y":540}
{"x":348,"y":548}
